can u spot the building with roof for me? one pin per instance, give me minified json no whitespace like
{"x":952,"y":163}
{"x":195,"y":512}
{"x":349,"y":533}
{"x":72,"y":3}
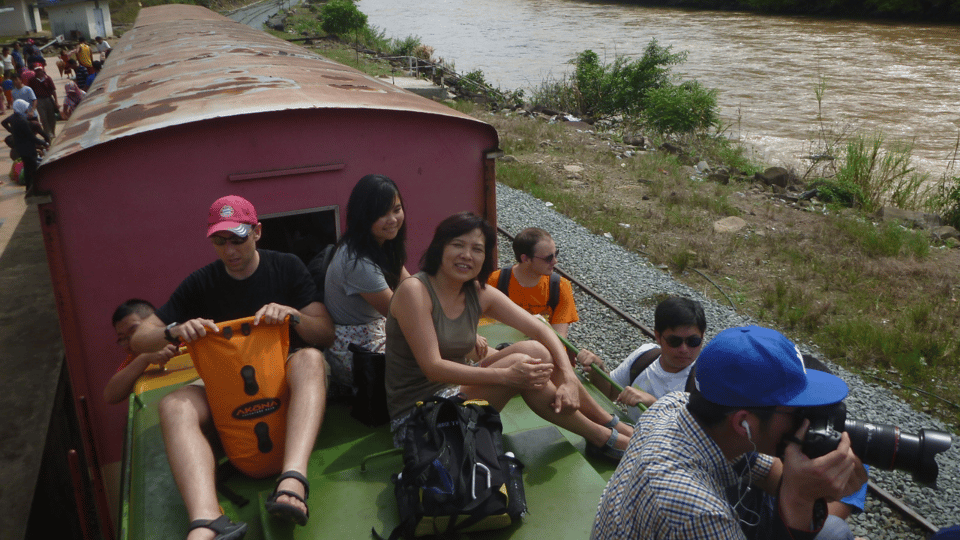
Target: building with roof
{"x":18,"y":17}
{"x":74,"y":18}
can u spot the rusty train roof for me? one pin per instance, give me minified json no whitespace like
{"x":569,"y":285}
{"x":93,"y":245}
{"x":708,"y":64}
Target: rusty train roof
{"x":181,"y":64}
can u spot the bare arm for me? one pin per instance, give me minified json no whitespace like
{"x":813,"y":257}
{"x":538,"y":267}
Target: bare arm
{"x":380,"y":300}
{"x":121,"y":384}
{"x":591,"y":363}
{"x":413,"y":311}
{"x":562,"y":328}
{"x":315,"y":324}
{"x":497,"y":305}
{"x":149,"y":337}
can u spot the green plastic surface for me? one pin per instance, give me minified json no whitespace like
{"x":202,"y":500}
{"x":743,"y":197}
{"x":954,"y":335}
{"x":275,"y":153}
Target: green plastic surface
{"x":562,"y":486}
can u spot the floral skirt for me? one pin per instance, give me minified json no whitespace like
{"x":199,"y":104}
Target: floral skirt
{"x":371,"y":336}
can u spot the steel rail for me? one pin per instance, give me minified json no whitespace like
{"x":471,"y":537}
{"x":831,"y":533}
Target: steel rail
{"x":898,"y":504}
{"x":881,"y":493}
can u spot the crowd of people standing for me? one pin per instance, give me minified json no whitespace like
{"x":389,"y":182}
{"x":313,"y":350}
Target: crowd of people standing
{"x":32,"y":95}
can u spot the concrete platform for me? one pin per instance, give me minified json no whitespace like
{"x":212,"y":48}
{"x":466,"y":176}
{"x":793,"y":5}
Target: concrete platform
{"x":421,"y":87}
{"x":31,"y":351}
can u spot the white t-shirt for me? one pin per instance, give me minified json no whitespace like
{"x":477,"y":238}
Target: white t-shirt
{"x":653,"y":380}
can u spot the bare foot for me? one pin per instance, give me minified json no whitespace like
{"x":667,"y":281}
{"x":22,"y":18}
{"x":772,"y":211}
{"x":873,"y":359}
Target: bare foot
{"x":293,"y":485}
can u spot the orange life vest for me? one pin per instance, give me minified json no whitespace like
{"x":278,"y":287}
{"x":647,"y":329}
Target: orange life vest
{"x":243,"y":368}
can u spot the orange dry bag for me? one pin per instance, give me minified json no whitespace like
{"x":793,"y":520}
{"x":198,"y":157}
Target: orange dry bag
{"x":243,"y":369}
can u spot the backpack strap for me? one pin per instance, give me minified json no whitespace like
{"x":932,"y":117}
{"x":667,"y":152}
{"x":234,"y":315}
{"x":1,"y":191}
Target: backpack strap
{"x":318,"y":268}
{"x":642,"y":362}
{"x":554,"y":299}
{"x":503,"y":282}
{"x":691,"y":379}
{"x":224,"y":472}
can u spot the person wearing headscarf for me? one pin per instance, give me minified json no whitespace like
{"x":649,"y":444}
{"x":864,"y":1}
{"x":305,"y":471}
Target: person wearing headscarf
{"x":74,"y":95}
{"x":24,"y":142}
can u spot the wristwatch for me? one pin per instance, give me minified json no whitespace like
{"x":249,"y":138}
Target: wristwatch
{"x":168,"y":336}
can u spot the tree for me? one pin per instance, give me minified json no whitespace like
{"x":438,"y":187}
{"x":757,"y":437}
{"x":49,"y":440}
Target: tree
{"x":341,"y":17}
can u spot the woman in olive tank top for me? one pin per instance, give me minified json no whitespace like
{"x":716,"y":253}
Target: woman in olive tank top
{"x":432,"y":325}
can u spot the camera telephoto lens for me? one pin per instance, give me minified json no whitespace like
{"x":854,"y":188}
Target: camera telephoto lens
{"x":878,"y":445}
{"x":887,"y":447}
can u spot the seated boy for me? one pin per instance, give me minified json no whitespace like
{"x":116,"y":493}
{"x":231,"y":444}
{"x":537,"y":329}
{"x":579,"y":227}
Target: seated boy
{"x":126,"y":320}
{"x":678,"y":327}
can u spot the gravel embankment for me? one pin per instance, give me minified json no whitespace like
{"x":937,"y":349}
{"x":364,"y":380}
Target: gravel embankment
{"x":631,"y":282}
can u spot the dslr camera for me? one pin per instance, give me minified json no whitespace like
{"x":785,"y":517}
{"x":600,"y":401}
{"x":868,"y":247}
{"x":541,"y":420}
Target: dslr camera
{"x":882,"y":446}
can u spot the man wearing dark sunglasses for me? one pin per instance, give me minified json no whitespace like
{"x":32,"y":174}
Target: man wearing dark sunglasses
{"x":533,"y":285}
{"x":655,"y":369}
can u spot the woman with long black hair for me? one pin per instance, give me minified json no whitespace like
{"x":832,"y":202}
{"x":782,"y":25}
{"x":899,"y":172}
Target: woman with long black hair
{"x":365,"y":270}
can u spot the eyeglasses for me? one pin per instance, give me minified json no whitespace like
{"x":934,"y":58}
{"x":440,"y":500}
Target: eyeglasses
{"x":676,"y":341}
{"x":235,"y":240}
{"x":549,"y":258}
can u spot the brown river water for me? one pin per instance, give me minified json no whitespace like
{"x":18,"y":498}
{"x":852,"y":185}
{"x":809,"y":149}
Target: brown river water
{"x":900,"y":79}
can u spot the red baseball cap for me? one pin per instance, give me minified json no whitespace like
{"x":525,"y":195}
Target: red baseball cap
{"x":233,"y":214}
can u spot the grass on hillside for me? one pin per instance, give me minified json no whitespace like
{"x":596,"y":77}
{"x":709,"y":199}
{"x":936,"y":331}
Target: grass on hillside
{"x":876,"y":298}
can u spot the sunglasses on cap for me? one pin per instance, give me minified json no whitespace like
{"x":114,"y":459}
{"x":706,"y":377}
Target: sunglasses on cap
{"x":675,"y":341}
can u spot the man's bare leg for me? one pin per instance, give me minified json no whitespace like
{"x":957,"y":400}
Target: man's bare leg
{"x":306,"y":374}
{"x":184,"y":415}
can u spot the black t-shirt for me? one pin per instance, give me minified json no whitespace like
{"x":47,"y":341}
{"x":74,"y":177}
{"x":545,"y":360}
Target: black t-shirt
{"x":211,"y":293}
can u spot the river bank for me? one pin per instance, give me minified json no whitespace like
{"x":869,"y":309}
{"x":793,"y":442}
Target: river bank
{"x":896,"y":79}
{"x":809,"y":270}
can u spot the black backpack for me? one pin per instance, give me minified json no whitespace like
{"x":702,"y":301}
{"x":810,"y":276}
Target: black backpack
{"x":503,"y":283}
{"x":456,"y":476}
{"x":318,"y":268}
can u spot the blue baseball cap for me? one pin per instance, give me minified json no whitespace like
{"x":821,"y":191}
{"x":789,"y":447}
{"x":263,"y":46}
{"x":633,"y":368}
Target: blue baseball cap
{"x":753,"y":366}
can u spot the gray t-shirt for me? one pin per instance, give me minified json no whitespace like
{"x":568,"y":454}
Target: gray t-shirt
{"x":344,"y":283}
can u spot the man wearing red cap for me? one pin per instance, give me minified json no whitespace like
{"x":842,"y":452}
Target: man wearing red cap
{"x":688,"y":472}
{"x":244,"y":281}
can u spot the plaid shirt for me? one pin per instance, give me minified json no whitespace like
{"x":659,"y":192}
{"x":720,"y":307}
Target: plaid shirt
{"x":672,"y":481}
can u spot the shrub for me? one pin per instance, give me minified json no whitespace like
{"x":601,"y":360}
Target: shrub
{"x":373,"y":38}
{"x":947,"y":202}
{"x":842,"y":192}
{"x":556,"y":94}
{"x":476,"y":83}
{"x":685,"y":108}
{"x":341,"y":17}
{"x":879,"y":172}
{"x":618,"y":88}
{"x":405,"y":46}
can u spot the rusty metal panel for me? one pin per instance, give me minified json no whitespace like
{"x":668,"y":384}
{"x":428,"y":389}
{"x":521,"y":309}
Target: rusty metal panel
{"x":181,"y":64}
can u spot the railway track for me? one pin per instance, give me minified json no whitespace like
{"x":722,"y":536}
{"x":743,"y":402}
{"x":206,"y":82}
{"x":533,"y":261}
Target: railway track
{"x":921,"y":522}
{"x":256,"y":14}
